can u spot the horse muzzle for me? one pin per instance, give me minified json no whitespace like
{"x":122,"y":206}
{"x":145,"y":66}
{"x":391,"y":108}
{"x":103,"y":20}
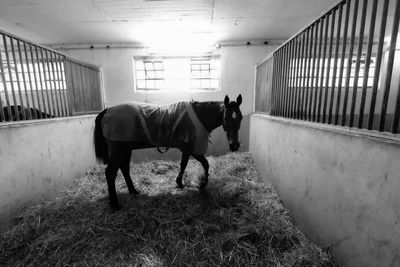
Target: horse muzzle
{"x":234,"y":146}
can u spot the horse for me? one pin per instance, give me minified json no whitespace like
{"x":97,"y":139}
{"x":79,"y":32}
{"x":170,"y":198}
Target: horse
{"x":18,"y":110}
{"x":120,"y":129}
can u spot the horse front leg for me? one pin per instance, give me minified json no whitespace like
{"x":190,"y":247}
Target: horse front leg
{"x":111,"y":174}
{"x":204,"y":163}
{"x":184,"y":162}
{"x":125,"y":169}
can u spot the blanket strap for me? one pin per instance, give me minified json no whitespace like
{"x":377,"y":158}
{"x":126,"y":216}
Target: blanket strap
{"x":150,"y":140}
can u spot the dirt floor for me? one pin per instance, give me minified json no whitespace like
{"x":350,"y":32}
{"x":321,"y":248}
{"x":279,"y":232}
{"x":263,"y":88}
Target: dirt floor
{"x":238,"y":221}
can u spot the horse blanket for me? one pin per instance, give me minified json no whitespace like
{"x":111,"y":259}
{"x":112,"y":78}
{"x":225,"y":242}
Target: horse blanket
{"x":160,"y":126}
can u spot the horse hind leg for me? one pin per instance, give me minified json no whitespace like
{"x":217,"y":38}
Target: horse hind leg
{"x":117,"y":152}
{"x":125,"y":169}
{"x":184,"y":162}
{"x":204,"y":163}
{"x":111,"y":174}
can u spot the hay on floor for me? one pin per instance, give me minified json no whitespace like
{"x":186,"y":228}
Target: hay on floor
{"x":238,"y":221}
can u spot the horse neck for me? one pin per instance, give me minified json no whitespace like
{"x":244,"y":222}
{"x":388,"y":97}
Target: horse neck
{"x":210,"y":114}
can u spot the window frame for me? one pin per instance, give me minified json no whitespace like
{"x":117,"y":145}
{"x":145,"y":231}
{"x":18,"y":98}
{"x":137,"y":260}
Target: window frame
{"x":205,"y":74}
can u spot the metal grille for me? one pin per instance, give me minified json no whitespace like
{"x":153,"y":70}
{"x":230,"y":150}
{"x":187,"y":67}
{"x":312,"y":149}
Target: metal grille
{"x":39,"y":83}
{"x":342,"y":69}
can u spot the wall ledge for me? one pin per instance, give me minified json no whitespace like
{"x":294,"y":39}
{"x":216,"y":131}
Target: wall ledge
{"x":393,"y":139}
{"x":15,"y":124}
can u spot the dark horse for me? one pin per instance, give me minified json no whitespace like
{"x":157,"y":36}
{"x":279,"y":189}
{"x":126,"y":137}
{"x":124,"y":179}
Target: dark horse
{"x":117,"y":154}
{"x":17,"y":111}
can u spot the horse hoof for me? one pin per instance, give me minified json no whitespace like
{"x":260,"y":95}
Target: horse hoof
{"x":203,"y":191}
{"x":115,"y":209}
{"x":134,"y":192}
{"x":202,"y":186}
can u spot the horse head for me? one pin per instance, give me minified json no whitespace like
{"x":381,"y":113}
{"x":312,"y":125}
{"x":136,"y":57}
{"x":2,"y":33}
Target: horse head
{"x":231,"y":121}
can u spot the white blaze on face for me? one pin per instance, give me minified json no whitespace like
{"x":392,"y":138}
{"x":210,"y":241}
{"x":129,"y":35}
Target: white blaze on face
{"x":234,"y":115}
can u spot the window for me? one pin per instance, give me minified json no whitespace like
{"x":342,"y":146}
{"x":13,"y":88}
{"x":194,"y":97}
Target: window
{"x":177,"y":73}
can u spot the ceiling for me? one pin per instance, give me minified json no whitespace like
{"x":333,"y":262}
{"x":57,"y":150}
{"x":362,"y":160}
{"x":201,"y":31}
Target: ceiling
{"x":55,"y":22}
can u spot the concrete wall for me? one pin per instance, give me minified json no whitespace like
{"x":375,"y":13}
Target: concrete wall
{"x":342,"y":186}
{"x":237,"y":77}
{"x":39,"y":158}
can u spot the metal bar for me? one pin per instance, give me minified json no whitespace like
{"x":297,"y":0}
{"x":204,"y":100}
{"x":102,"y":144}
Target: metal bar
{"x":389,"y":68}
{"x":30,"y":81}
{"x":29,"y":113}
{"x":282,"y":80}
{"x":69,"y":82}
{"x":61,"y":66}
{"x":11,"y":83}
{"x":358,"y":59}
{"x":3,"y":78}
{"x":279,"y":85}
{"x":319,"y":40}
{"x":38,"y":81}
{"x":396,"y":119}
{"x":50,"y":94}
{"x":343,"y":56}
{"x":51,"y":66}
{"x":290,"y":78}
{"x":307,"y":73}
{"x":294,"y":77}
{"x":332,"y":31}
{"x":335,"y":63}
{"x":349,"y":62}
{"x":272,"y":112}
{"x":90,"y":88}
{"x":378,"y":64}
{"x":99,"y":100}
{"x":310,"y":32}
{"x":313,"y":73}
{"x":297,"y":76}
{"x":287,"y":79}
{"x":82,"y":77}
{"x":302,"y":77}
{"x":284,"y":84}
{"x":323,"y":75}
{"x":371,"y":33}
{"x":18,"y":85}
{"x":58,"y":77}
{"x":40,"y":72}
{"x":76,"y":87}
{"x":279,"y":81}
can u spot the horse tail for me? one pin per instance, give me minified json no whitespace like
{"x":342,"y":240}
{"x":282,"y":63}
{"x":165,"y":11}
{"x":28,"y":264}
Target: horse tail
{"x":100,"y":145}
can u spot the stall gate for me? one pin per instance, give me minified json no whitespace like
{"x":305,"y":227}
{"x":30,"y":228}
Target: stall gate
{"x":342,"y":69}
{"x":39,"y":83}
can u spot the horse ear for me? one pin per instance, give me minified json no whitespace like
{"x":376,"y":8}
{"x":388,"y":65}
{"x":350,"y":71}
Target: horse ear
{"x":226,"y":100}
{"x":239,"y":100}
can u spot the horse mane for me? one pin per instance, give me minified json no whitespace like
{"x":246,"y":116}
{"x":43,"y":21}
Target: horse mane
{"x":210,"y":113}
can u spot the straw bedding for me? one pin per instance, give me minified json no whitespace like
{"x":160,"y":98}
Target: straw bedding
{"x":238,"y":221}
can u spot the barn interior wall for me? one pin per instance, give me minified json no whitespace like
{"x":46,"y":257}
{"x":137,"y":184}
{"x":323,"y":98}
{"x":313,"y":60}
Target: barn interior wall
{"x":341,"y":185}
{"x":237,"y":77}
{"x":40,"y":158}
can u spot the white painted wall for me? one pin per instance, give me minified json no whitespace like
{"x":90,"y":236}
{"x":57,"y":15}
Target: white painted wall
{"x":237,"y":77}
{"x":40,"y":158}
{"x":341,"y":185}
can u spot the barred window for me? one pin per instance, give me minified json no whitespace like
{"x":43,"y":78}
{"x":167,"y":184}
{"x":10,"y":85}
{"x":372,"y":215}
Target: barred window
{"x":177,"y":73}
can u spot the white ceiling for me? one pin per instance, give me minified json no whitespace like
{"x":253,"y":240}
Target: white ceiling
{"x":54,"y":22}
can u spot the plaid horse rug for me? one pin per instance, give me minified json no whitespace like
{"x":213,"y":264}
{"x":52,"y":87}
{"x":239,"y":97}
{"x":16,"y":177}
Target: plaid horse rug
{"x":159,"y":126}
